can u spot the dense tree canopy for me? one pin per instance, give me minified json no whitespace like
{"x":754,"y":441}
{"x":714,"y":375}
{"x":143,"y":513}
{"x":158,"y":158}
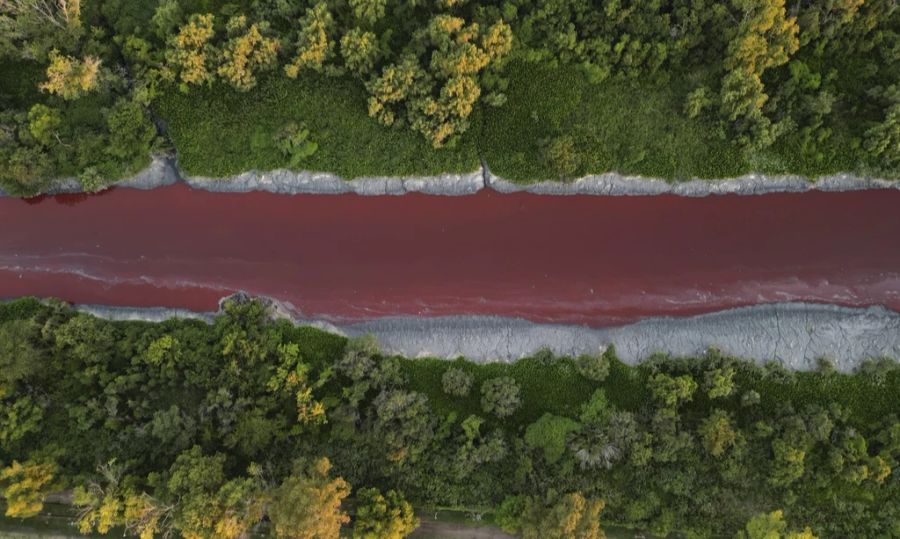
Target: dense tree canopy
{"x":209,"y":430}
{"x":818,"y":77}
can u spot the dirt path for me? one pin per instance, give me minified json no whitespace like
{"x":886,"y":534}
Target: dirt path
{"x":430,"y":529}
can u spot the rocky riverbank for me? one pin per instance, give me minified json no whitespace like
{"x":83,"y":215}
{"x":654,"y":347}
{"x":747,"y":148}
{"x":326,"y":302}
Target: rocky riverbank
{"x":795,"y":334}
{"x":164,"y":171}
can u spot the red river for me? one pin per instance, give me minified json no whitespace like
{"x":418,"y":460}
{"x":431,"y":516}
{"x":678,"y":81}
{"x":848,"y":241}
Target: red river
{"x":580,"y":259}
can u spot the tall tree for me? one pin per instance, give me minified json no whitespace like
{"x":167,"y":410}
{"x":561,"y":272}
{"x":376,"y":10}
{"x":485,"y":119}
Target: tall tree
{"x":307,"y":505}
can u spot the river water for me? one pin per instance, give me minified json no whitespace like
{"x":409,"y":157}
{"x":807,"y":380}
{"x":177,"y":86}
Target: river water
{"x":579,"y":259}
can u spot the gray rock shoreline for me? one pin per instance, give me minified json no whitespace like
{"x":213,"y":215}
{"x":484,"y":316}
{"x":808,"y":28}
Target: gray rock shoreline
{"x":796,"y":335}
{"x":164,"y":170}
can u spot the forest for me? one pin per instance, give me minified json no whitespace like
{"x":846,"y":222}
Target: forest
{"x":538,"y":89}
{"x":252,"y":424}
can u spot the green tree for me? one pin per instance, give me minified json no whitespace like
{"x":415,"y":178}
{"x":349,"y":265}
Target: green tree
{"x":790,"y":459}
{"x":359,"y":49}
{"x":476,"y":448}
{"x":208,"y":503}
{"x":549,"y":434}
{"x":132,"y":134}
{"x":403,"y":424}
{"x":18,"y":418}
{"x":19,"y":358}
{"x":383,"y":516}
{"x":672,"y":391}
{"x":719,"y":382}
{"x":882,"y":140}
{"x":44,"y":123}
{"x":397,"y":83}
{"x":697,"y":101}
{"x":368,"y":11}
{"x":717,"y":433}
{"x":167,"y":18}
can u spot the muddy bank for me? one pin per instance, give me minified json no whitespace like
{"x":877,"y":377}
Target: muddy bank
{"x":164,"y":171}
{"x":304,"y":182}
{"x":615,"y":184}
{"x":794,"y":334}
{"x":609,"y":184}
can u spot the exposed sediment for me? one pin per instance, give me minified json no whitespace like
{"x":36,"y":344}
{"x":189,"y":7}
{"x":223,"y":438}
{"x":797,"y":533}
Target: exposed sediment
{"x":164,"y":171}
{"x":796,"y":335}
{"x":615,"y":184}
{"x":303,"y":182}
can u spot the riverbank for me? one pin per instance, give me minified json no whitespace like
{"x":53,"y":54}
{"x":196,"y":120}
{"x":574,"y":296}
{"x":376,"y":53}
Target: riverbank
{"x":164,"y":171}
{"x":796,"y":335}
{"x":235,"y":391}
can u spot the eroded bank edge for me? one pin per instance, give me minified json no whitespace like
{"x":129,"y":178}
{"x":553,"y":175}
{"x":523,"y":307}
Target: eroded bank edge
{"x":163,"y":170}
{"x":796,"y":335}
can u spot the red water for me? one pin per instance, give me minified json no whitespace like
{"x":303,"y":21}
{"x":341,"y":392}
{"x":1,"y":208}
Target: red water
{"x":584,"y":259}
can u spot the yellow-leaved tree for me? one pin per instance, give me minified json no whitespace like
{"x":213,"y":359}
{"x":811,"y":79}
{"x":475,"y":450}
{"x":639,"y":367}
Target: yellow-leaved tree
{"x":106,"y":503}
{"x":307,"y":505}
{"x":191,"y":55}
{"x":69,"y":77}
{"x":26,"y":486}
{"x":772,"y":526}
{"x":315,"y":42}
{"x":435,"y":92}
{"x":246,"y":53}
{"x":764,"y":38}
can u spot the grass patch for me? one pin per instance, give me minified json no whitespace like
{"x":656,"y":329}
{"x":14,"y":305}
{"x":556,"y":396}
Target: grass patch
{"x":637,"y":127}
{"x":219,"y":131}
{"x":552,"y":386}
{"x":866,"y":399}
{"x":19,"y":83}
{"x":631,"y":127}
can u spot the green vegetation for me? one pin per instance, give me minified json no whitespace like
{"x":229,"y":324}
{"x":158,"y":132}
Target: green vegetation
{"x":349,"y":143}
{"x":537,"y":88}
{"x":627,"y":125}
{"x":250,"y":425}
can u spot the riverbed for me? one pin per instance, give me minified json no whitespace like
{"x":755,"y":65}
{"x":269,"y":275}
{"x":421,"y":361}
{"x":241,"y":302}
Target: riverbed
{"x":587,"y":260}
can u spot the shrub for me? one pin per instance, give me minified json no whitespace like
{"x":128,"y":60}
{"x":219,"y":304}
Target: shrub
{"x":294,"y":143}
{"x":560,"y":155}
{"x":719,"y":382}
{"x":697,"y":101}
{"x":456,"y":382}
{"x":500,"y":396}
{"x":593,"y":366}
{"x":750,"y":398}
